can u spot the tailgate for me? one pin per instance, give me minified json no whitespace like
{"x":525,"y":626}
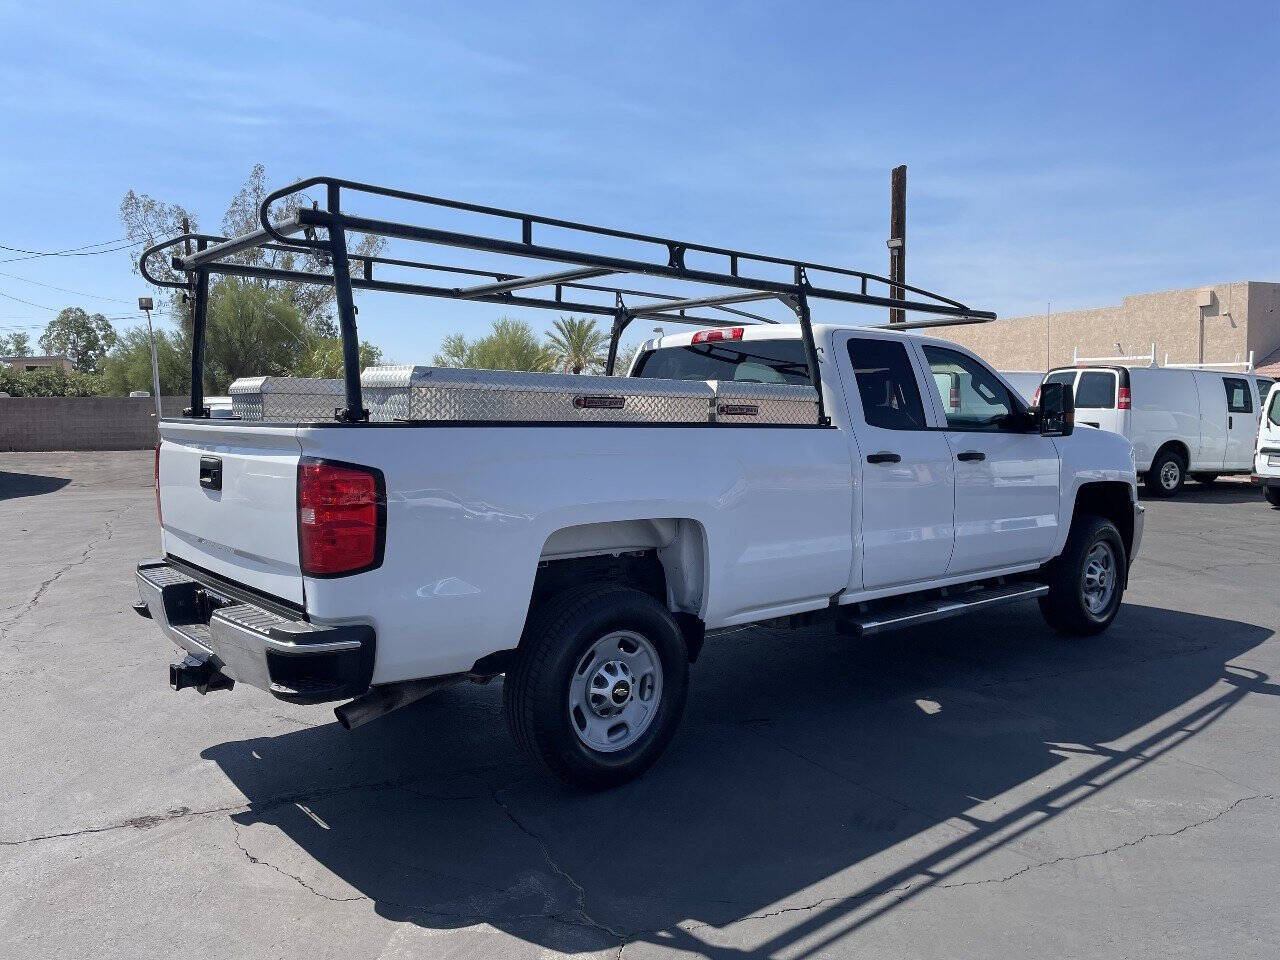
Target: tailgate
{"x":240,"y":521}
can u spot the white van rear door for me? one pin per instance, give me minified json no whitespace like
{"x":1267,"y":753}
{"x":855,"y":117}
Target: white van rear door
{"x":1097,"y":400}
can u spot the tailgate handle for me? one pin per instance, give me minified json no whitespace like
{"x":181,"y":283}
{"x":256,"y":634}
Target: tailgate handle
{"x":211,"y":473}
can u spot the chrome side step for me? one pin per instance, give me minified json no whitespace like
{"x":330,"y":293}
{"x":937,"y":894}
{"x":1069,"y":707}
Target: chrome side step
{"x":912,"y":613}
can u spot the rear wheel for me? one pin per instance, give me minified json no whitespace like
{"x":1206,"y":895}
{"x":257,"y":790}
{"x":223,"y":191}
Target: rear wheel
{"x":599,"y":684}
{"x":1087,"y":581}
{"x":1167,"y":474}
{"x":1273,"y":495}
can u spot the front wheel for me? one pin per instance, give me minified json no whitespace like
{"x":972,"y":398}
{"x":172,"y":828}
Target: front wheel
{"x":1273,"y":495}
{"x":1087,"y":581}
{"x":599,"y":684}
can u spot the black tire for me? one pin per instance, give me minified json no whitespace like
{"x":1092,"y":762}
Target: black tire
{"x":1065,"y":606}
{"x":536,"y":690}
{"x":1273,"y":495}
{"x":1167,"y":474}
{"x":1208,"y":479}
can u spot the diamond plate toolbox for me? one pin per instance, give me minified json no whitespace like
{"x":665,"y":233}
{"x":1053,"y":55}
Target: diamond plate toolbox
{"x":439,"y":393}
{"x":286,"y":398}
{"x":760,"y":403}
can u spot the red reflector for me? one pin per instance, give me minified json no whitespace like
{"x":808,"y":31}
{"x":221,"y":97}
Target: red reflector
{"x":340,"y":518}
{"x":159,"y":512}
{"x":711,"y":336}
{"x":1124,"y":401}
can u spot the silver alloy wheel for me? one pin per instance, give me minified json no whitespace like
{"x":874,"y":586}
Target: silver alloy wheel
{"x":615,"y":691}
{"x":1098,"y":585}
{"x":1170,"y":474}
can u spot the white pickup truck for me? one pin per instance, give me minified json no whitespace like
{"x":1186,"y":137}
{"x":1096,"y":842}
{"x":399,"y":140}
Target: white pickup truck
{"x":585,"y":555}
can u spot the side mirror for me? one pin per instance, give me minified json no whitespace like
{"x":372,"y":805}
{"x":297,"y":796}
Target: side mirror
{"x":1056,"y":415}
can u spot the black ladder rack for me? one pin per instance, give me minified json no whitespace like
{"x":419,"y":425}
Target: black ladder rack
{"x":575,"y":264}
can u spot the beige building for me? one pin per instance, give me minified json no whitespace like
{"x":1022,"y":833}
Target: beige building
{"x":37,"y":363}
{"x":1215,"y":324}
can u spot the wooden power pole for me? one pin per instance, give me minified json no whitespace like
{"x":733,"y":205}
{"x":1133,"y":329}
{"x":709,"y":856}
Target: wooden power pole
{"x":897,"y":238}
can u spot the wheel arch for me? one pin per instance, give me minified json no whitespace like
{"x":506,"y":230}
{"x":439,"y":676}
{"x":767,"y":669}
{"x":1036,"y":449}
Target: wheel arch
{"x":1112,"y":500}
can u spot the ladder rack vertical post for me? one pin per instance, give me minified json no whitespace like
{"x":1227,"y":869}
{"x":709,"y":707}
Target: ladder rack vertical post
{"x":811,"y":352}
{"x":355,"y":411}
{"x":621,"y":319}
{"x":199,"y":318}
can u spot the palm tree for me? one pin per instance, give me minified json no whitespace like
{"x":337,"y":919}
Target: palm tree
{"x":578,"y":344}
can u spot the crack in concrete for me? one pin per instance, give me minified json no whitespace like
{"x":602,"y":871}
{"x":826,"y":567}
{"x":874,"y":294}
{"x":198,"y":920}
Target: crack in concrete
{"x":45,"y":584}
{"x":1109,"y":850}
{"x":256,"y":861}
{"x":143,"y":822}
{"x":585,"y":918}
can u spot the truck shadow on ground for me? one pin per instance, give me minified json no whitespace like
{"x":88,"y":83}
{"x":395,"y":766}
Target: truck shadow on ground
{"x":812,"y":774}
{"x":1194,"y":493}
{"x":14,"y":485}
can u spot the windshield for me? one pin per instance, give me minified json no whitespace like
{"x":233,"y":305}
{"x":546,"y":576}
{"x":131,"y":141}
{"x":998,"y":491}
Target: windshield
{"x":748,"y":361}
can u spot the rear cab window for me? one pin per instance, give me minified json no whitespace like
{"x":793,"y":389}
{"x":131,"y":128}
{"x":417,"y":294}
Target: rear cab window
{"x":747,"y":361}
{"x":886,"y":384}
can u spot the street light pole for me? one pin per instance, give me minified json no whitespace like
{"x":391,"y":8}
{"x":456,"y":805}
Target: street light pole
{"x":146,"y":304}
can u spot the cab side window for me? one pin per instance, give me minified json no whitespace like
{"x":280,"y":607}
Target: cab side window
{"x":1238,"y":399}
{"x":1273,"y":411}
{"x":972,"y":397}
{"x":886,"y":384}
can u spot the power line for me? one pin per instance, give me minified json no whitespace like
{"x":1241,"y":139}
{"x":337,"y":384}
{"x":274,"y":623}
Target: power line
{"x":71,"y":252}
{"x":78,"y":293}
{"x":58,"y":253}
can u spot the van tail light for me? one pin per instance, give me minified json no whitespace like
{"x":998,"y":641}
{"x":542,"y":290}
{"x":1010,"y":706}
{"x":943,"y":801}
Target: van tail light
{"x":1124,"y":400}
{"x":712,"y":336}
{"x":159,"y":511}
{"x":955,"y":397}
{"x":1035,"y":400}
{"x":342,"y":518}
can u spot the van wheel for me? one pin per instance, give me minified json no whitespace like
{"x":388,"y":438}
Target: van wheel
{"x":1087,"y":581}
{"x":1167,"y":474}
{"x":1273,"y":495}
{"x":1205,"y":478}
{"x":599,"y":684}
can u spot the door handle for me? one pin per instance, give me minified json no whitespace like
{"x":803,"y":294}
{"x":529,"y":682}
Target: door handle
{"x":211,"y":473}
{"x":883,"y":457}
{"x":971,"y":456}
{"x":1231,"y":422}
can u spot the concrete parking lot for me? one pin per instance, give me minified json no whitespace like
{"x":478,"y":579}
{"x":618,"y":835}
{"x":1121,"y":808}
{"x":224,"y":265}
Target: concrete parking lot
{"x":978,"y":789}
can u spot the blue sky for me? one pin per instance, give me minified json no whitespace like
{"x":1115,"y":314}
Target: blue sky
{"x":1071,"y":153}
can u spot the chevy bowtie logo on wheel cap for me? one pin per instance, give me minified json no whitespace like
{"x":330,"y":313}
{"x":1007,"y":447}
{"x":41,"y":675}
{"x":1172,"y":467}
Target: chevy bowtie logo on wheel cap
{"x":621,"y":691}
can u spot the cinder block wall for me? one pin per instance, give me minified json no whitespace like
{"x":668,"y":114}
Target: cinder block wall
{"x":82,"y":423}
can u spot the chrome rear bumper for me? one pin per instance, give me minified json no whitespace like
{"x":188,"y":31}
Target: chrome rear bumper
{"x":288,"y":657}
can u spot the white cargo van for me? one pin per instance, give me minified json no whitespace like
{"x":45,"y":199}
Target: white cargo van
{"x":1266,"y":466}
{"x":1026,"y":382}
{"x":1182,"y":422}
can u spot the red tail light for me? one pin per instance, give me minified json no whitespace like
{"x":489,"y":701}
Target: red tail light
{"x":954,"y":402}
{"x":159,"y":512}
{"x":1035,"y":400}
{"x":711,"y":336}
{"x":1124,"y":401}
{"x":341,"y":518}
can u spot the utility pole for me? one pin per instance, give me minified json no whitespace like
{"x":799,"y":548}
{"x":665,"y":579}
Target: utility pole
{"x":897,"y":238}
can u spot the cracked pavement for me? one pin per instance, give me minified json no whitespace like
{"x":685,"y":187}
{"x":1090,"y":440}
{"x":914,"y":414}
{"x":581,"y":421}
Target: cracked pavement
{"x":979,"y":788}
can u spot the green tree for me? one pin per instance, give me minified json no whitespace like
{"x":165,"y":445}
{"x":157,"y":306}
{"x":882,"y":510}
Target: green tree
{"x":49,"y":382}
{"x":510,"y":345}
{"x":148,"y":221}
{"x":578,"y":344}
{"x":15,"y":345}
{"x":324,"y":357}
{"x":253,"y":330}
{"x":82,"y":337}
{"x":128,"y":366}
